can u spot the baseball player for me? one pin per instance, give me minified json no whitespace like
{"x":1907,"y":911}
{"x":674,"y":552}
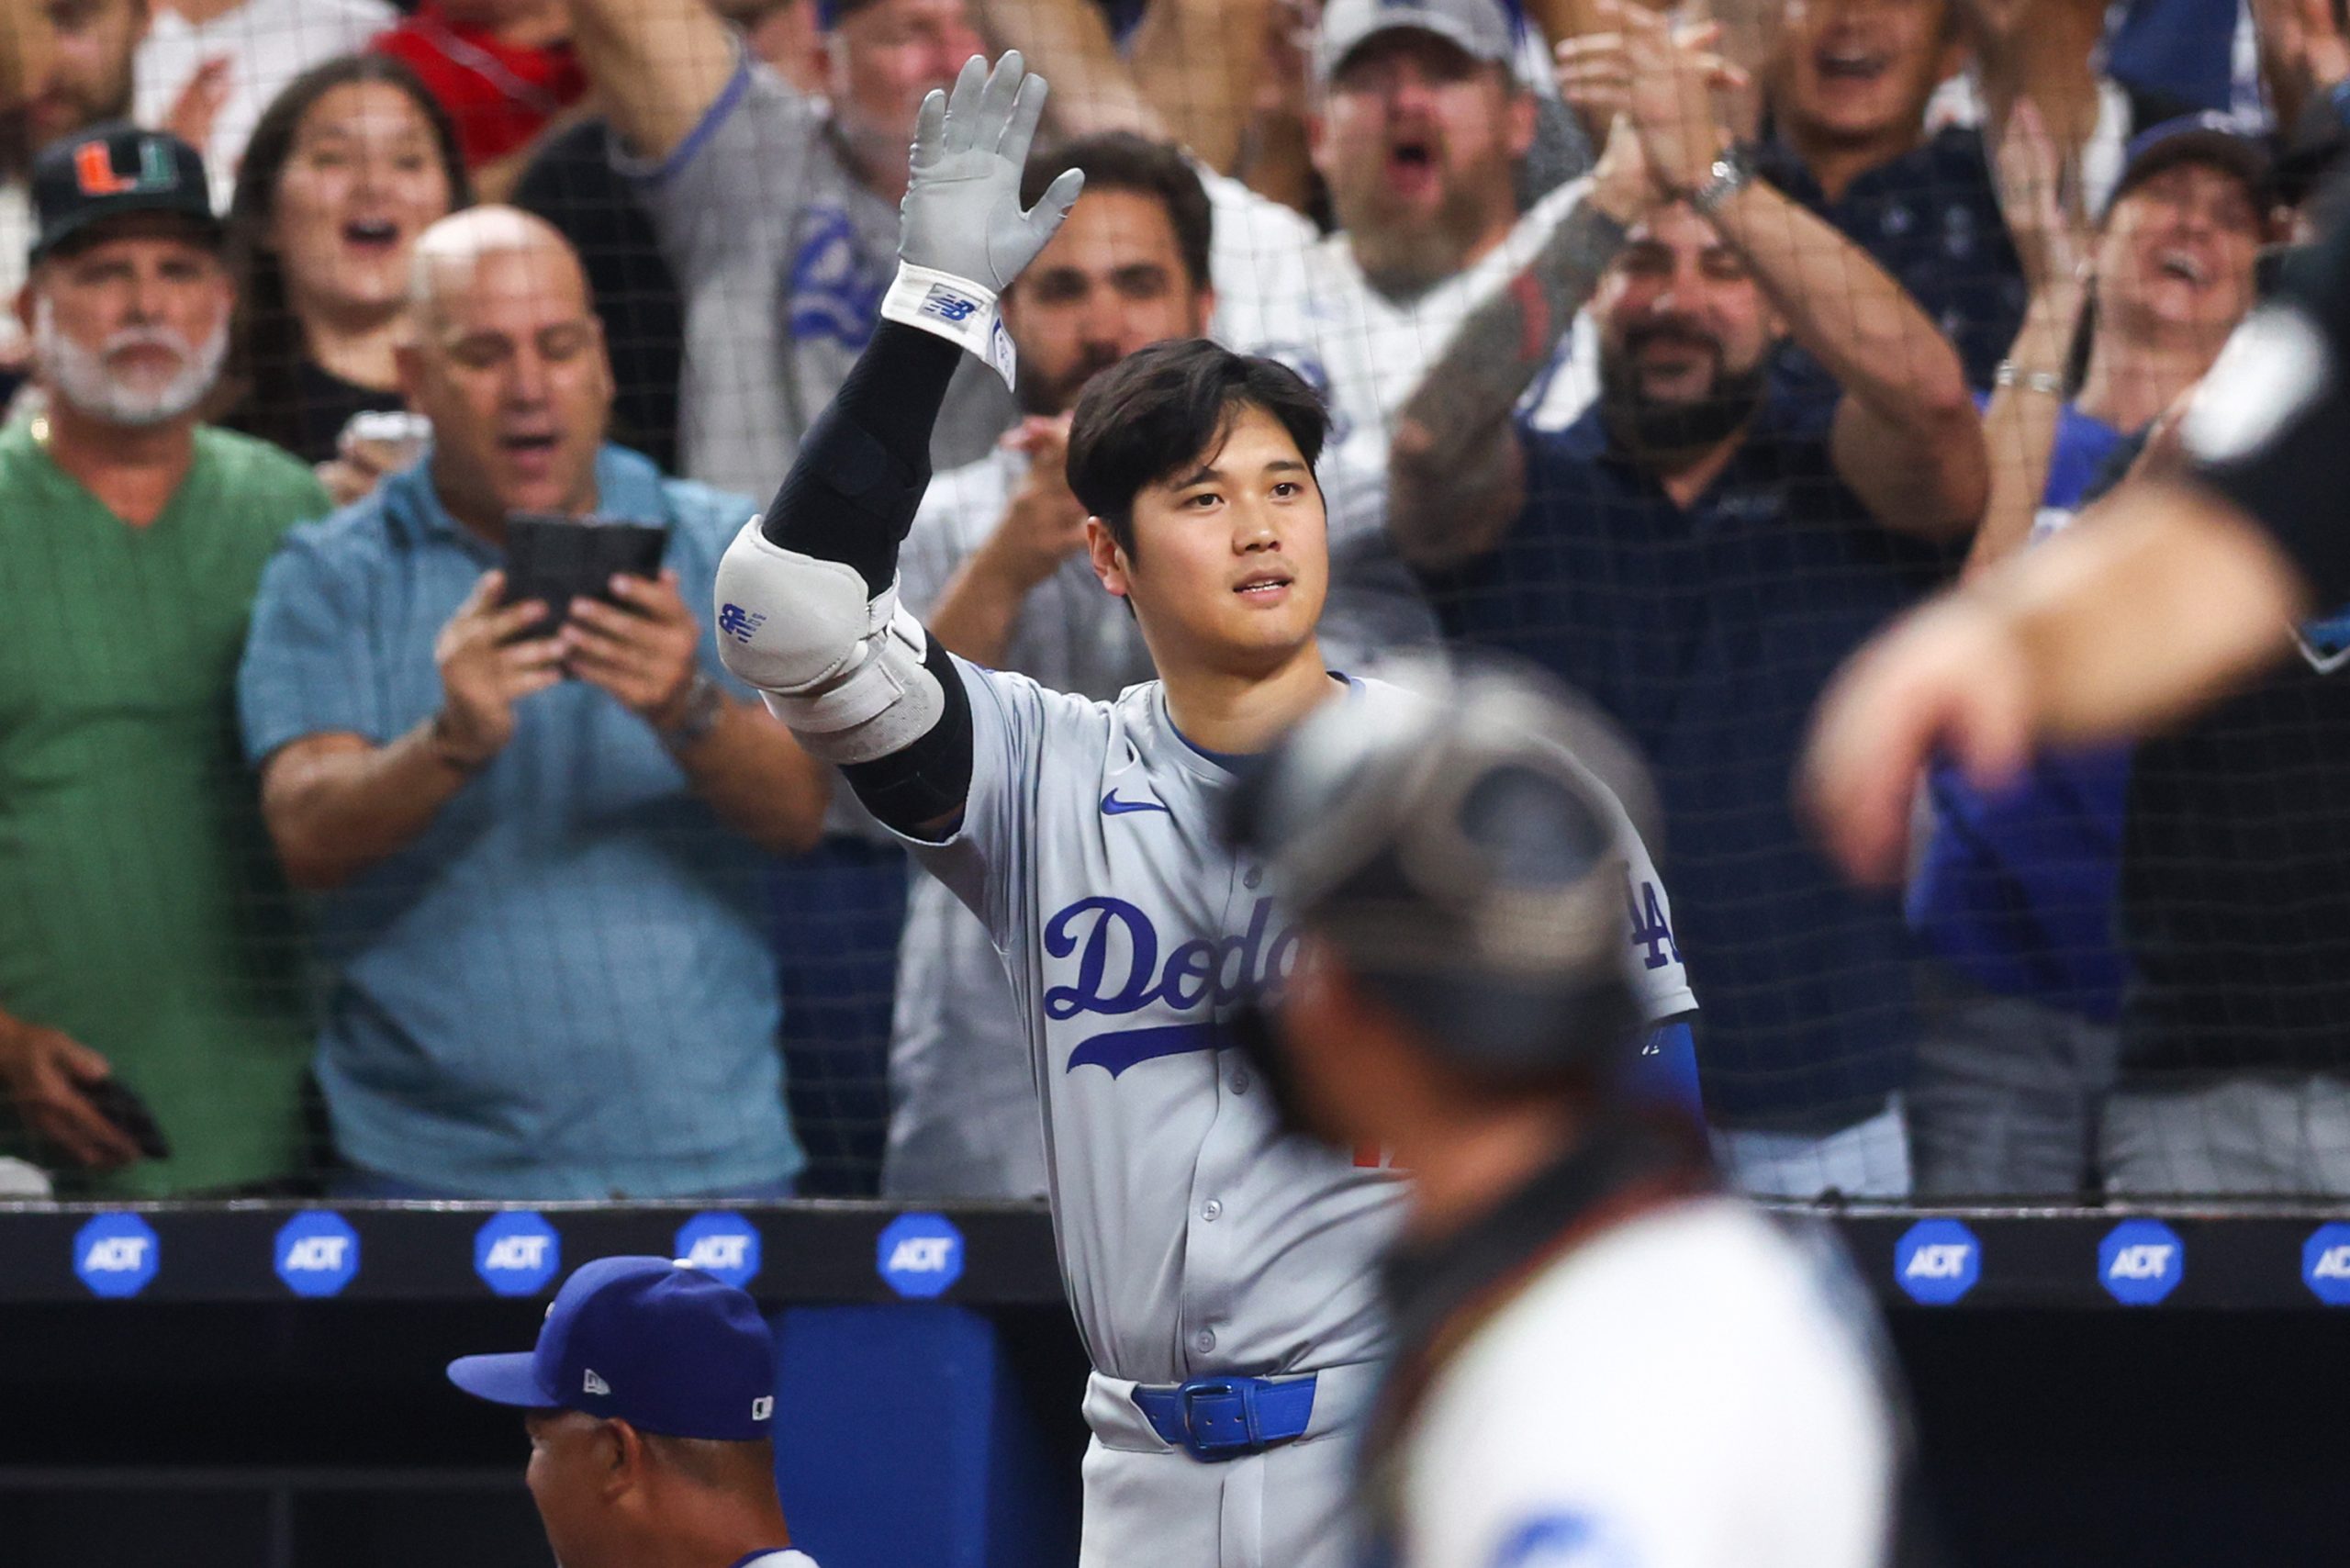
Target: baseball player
{"x":650,"y":1400}
{"x":1603,"y":1360}
{"x":1221,"y":1272}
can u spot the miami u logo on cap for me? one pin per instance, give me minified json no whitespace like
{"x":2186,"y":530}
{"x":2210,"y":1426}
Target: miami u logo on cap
{"x":94,"y":169}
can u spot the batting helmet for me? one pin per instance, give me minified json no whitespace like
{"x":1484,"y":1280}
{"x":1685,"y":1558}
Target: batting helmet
{"x":1463,"y":866}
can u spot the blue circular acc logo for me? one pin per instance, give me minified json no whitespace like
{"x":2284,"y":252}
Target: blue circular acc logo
{"x":722,"y":1245}
{"x":1936,"y":1262}
{"x":117,"y":1254}
{"x":517,"y":1253}
{"x":317,"y":1253}
{"x":2141,"y":1261}
{"x":920,"y":1255}
{"x":2326,"y":1264}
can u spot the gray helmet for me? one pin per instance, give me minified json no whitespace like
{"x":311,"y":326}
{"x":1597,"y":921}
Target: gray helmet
{"x":1463,"y":864}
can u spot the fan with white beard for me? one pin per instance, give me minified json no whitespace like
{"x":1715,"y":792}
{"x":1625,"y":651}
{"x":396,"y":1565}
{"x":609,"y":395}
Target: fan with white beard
{"x":107,"y":383}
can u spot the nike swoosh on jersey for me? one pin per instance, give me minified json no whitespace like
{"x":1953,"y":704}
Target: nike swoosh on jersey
{"x":1114,"y":807}
{"x":1122,"y":1049}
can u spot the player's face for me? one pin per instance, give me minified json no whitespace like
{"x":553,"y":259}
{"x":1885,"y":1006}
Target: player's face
{"x":1231,"y":558}
{"x":882,"y":59}
{"x":1858,"y":71}
{"x":1416,"y":141}
{"x":2177,"y":252}
{"x":1111,"y":282}
{"x":511,"y":369}
{"x":1678,"y":312}
{"x":561,"y":1476}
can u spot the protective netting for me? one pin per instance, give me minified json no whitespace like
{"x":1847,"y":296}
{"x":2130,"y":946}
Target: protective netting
{"x":356,"y":883}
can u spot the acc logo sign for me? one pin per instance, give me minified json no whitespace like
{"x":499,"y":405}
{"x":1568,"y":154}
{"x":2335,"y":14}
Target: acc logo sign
{"x":1936,"y":1262}
{"x":920,"y":1255}
{"x":517,"y":1253}
{"x":2326,"y":1264}
{"x":723,"y":1245}
{"x":317,"y":1253}
{"x":116,"y":1255}
{"x":2141,"y":1261}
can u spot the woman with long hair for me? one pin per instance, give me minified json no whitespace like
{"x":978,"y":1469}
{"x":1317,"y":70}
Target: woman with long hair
{"x":345,"y":169}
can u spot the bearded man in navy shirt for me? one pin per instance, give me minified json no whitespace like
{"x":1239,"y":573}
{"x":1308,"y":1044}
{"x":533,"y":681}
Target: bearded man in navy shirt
{"x":1699,"y":554}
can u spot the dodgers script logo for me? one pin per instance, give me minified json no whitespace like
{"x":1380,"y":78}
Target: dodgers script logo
{"x":1119,"y":974}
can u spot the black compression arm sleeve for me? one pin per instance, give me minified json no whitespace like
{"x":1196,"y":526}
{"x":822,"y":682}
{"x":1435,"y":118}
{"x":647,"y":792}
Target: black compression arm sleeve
{"x":850,"y":497}
{"x":852,"y":491}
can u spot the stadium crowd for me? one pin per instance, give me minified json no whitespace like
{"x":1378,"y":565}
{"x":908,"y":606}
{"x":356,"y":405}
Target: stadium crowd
{"x":364,"y":871}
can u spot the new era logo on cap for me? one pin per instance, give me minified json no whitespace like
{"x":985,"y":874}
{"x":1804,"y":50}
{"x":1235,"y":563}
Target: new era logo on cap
{"x":591,"y":1383}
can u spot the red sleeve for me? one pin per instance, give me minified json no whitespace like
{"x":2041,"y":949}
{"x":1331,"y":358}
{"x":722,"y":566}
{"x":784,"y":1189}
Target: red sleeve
{"x":499,"y":103}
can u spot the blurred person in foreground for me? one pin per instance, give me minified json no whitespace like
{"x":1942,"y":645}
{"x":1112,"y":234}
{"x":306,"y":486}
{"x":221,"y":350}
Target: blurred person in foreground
{"x":2188,"y":609}
{"x":649,"y":1403}
{"x":74,"y":75}
{"x":208,"y":68}
{"x":150,"y":938}
{"x":1695,"y":554}
{"x":351,"y":163}
{"x":1600,"y":1357}
{"x":2015,"y":893}
{"x":996,"y":562}
{"x":777,"y":210}
{"x":535,"y":856}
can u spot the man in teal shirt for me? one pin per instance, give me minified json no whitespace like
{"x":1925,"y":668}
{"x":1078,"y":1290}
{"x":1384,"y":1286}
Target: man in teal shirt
{"x":143,"y":933}
{"x":536,"y":854}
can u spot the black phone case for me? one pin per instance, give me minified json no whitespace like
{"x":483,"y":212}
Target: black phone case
{"x":557,"y":559}
{"x":120,"y":1104}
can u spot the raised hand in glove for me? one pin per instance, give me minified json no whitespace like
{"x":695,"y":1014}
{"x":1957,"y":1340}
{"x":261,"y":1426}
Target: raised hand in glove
{"x":962,"y":236}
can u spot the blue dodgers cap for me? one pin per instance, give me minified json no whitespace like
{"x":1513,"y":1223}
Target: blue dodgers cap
{"x":662,"y":1347}
{"x":2207,"y":138}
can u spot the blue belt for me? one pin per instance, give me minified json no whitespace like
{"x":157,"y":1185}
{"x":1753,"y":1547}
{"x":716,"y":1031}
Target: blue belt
{"x":1215,"y":1418}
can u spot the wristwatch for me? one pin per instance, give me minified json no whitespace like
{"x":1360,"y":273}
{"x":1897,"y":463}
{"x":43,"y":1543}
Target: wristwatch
{"x":1732,"y":172}
{"x":704,"y":705}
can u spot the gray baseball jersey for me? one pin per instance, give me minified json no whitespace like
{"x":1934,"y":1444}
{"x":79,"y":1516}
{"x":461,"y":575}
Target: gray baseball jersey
{"x":1194,"y":1236}
{"x":782,"y":255}
{"x":962,"y":1097}
{"x":962,"y":1094}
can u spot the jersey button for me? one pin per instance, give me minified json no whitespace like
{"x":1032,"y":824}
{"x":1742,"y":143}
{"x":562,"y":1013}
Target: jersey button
{"x":1251,"y":877}
{"x":1209,"y":1210}
{"x":1240,"y":1081}
{"x":1204,"y":1342}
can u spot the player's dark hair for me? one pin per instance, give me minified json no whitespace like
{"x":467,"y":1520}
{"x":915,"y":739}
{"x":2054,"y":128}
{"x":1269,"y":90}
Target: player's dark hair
{"x":1167,"y":406}
{"x":1121,"y":161}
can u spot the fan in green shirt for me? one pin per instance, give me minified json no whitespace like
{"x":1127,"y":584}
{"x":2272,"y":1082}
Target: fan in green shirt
{"x":144,"y":932}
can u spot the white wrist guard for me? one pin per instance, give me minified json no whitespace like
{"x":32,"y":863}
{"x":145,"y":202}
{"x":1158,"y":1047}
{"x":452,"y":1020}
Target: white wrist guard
{"x":843,"y":672}
{"x":955,"y":309}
